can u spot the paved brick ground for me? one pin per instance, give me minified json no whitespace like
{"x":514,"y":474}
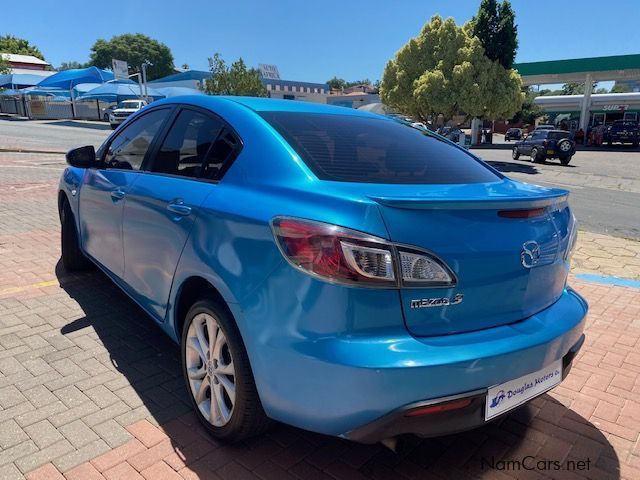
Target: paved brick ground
{"x":90,"y":388}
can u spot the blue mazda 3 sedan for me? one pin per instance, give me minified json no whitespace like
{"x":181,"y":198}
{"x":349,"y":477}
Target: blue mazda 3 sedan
{"x":327,"y":268}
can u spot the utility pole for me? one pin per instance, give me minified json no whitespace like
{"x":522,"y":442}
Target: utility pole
{"x":144,"y":78}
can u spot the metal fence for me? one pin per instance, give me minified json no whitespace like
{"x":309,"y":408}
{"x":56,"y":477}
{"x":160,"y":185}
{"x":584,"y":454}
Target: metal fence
{"x":48,"y":108}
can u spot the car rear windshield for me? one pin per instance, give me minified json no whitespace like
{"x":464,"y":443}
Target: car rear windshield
{"x":557,"y":135}
{"x":624,"y":124}
{"x":351,"y":148}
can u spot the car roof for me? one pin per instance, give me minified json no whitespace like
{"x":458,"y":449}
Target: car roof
{"x":261,"y":104}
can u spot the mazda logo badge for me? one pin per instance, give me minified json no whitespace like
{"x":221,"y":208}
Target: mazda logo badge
{"x":530,"y":254}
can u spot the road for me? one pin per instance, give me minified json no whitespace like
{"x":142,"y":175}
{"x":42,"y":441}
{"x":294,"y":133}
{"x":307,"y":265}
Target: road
{"x":605,"y":186}
{"x":51,"y":135}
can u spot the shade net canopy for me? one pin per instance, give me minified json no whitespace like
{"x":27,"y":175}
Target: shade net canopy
{"x":118,"y":92}
{"x":70,"y":78}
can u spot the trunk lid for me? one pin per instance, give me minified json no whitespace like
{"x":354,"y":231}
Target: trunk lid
{"x":460,"y":224}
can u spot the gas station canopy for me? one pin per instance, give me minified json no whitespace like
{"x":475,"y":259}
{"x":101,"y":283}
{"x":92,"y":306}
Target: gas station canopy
{"x":617,"y":67}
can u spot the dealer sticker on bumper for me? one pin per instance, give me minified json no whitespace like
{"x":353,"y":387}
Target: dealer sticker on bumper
{"x":508,"y":395}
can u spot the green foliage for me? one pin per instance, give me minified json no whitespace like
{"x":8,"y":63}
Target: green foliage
{"x":620,"y":88}
{"x":18,"y":46}
{"x":529,"y":111}
{"x":497,"y":31}
{"x":234,"y":80}
{"x":444,"y":71}
{"x":573,"y":88}
{"x":337,"y":83}
{"x":70,"y":65}
{"x":4,"y":66}
{"x":135,"y":49}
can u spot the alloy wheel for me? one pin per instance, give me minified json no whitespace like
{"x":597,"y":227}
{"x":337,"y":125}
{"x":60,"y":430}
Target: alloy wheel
{"x":210,"y":369}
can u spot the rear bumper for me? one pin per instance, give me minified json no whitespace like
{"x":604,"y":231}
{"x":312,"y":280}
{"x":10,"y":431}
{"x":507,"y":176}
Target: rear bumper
{"x":442,"y":423}
{"x":338,"y":385}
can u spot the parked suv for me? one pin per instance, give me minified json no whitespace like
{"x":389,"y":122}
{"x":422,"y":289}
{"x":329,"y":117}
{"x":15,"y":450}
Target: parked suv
{"x":543,"y":144}
{"x":124,"y":110}
{"x":513,"y":134}
{"x":624,"y":131}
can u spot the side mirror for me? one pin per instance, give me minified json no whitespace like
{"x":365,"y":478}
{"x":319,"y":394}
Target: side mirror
{"x":82,"y":157}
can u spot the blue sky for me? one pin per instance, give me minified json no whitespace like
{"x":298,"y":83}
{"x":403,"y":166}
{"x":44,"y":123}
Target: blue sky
{"x":312,"y":41}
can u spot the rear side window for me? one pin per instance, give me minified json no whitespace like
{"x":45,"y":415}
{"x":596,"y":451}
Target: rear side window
{"x":360,"y":149}
{"x":185,"y":148}
{"x":558,"y":135}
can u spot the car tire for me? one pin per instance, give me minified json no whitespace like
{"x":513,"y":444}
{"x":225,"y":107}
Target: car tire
{"x":113,"y":126}
{"x":635,"y":144}
{"x":565,"y":160}
{"x":535,"y":156}
{"x":229,"y":416}
{"x":105,"y":117}
{"x":515,"y":154}
{"x":72,"y":257}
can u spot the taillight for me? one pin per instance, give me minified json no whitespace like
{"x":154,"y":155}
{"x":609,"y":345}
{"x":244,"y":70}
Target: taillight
{"x":342,"y":255}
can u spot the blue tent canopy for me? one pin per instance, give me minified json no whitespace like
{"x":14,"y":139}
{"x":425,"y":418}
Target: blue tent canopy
{"x":178,"y":91}
{"x":68,"y":79}
{"x":118,"y":92}
{"x":19,"y":80}
{"x":46,"y":92}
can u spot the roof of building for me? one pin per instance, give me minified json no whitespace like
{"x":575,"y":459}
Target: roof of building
{"x":292,"y":83}
{"x":14,"y":58}
{"x":616,"y":67}
{"x":186,"y":75}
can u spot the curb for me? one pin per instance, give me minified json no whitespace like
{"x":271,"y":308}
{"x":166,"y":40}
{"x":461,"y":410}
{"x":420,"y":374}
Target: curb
{"x":27,"y":150}
{"x":620,"y":282}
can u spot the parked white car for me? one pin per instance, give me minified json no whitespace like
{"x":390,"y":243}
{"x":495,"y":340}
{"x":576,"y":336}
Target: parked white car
{"x":123,"y":110}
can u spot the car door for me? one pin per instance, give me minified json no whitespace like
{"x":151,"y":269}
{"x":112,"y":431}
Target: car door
{"x":525,"y":147}
{"x":163,"y":205}
{"x":104,"y":188}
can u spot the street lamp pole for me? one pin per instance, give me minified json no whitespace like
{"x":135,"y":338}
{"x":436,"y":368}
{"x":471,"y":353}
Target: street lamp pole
{"x":144,"y":78}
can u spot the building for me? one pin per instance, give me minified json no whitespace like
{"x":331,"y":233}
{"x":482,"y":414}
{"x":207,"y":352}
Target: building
{"x":24,"y":71}
{"x":601,"y":109}
{"x":26,"y":62}
{"x":588,"y":71}
{"x":293,"y":90}
{"x":353,"y":100}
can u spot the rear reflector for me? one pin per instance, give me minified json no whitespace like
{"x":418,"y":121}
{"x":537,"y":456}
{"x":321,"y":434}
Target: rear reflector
{"x":439,"y":408}
{"x":529,"y":213}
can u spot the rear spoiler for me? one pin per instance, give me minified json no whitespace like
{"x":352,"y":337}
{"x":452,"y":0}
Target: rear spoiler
{"x":482,"y":203}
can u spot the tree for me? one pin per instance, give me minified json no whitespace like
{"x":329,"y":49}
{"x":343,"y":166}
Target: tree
{"x":444,"y":71}
{"x":529,"y":110}
{"x":70,"y":65}
{"x":4,"y":66}
{"x":234,"y":80}
{"x":573,"y":88}
{"x":135,"y":49}
{"x":337,"y":83}
{"x":620,"y":88}
{"x":18,"y":46}
{"x":497,"y":31}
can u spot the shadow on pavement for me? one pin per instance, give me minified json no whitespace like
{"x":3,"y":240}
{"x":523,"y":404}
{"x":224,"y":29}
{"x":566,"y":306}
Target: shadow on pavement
{"x":506,"y":167}
{"x":537,"y":435}
{"x":73,"y":123}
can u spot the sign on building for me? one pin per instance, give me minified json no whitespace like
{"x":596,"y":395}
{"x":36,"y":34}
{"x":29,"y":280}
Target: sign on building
{"x":120,"y":69}
{"x":269,"y":72}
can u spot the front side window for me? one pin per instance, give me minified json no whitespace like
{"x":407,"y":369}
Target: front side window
{"x":352,"y":148}
{"x":185,"y":148}
{"x":130,"y":146}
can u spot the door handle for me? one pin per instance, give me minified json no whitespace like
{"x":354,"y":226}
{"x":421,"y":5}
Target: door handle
{"x":117,"y":195}
{"x":178,"y":207}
